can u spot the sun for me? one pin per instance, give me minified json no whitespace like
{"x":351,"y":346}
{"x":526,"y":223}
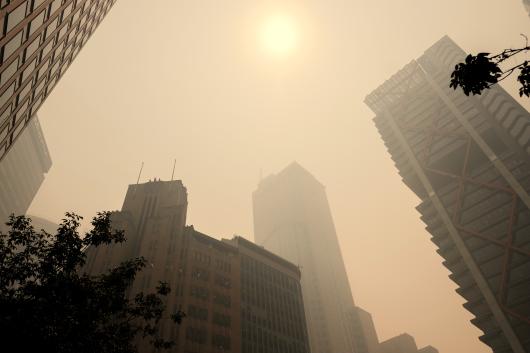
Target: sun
{"x":279,"y":35}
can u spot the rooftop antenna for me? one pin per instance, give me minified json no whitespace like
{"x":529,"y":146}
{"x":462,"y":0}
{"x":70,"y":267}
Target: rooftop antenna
{"x":173,"y":173}
{"x":140,"y":173}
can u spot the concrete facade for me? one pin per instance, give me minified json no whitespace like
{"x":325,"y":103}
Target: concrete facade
{"x":467,"y":159}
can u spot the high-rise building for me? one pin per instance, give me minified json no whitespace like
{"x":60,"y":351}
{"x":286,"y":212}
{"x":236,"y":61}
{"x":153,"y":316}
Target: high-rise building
{"x":428,"y":349}
{"x":467,"y":159}
{"x":22,"y":172}
{"x":272,"y":309}
{"x":38,"y":41}
{"x":526,"y":4}
{"x":403,"y":343}
{"x":293,"y":220}
{"x":237,"y":296}
{"x":363,"y":331}
{"x":42,"y":223}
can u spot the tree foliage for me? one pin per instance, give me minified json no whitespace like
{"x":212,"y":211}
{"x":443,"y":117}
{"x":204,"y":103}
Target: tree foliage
{"x":46,"y":304}
{"x":481,"y":71}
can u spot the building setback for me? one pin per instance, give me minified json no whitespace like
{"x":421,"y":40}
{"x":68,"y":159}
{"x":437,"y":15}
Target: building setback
{"x":467,"y":159}
{"x":208,"y":277}
{"x":39,"y":39}
{"x":292,"y":219}
{"x":22,"y":172}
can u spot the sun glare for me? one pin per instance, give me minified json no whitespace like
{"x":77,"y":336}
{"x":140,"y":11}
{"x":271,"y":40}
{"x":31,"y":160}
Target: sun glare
{"x":279,"y":35}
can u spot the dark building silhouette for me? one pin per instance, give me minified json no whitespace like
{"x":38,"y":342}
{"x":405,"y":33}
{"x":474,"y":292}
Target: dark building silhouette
{"x":208,"y":278}
{"x":467,"y":159}
{"x":292,"y":219}
{"x":38,"y":41}
{"x":22,"y":172}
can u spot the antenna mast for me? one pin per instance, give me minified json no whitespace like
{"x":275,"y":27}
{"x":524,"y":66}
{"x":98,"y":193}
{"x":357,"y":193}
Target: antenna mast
{"x":140,"y":173}
{"x":173,"y":173}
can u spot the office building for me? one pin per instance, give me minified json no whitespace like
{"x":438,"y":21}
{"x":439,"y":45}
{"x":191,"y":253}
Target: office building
{"x":272,"y":309}
{"x":363,"y":330}
{"x":39,"y":223}
{"x":428,"y":349}
{"x":293,"y":220}
{"x":229,"y":307}
{"x":526,"y":4}
{"x":467,"y":159}
{"x":22,"y":172}
{"x":39,"y":39}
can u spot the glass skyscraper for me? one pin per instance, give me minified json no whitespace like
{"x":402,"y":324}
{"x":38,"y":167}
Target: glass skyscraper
{"x":468,"y":160}
{"x":39,"y":39}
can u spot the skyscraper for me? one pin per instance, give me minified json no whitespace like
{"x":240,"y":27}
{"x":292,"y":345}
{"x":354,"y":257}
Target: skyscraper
{"x":22,"y":172}
{"x":39,"y":39}
{"x":467,"y":159}
{"x":526,"y":4}
{"x":293,"y":220}
{"x":364,"y":332}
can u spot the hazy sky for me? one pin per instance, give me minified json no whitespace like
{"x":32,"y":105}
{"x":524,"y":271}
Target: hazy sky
{"x":166,"y":79}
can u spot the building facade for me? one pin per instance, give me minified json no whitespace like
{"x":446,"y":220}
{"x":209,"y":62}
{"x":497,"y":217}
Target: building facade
{"x":39,"y":39}
{"x":363,"y":330}
{"x":467,"y":159}
{"x":272,"y":309}
{"x":212,"y":281}
{"x":293,"y":220}
{"x":22,"y":172}
{"x":526,"y":4}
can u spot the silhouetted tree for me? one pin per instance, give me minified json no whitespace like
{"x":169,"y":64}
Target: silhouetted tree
{"x":481,"y":71}
{"x":47,"y":305}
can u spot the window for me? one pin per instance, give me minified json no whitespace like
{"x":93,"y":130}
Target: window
{"x":37,"y":22}
{"x":200,"y":292}
{"x":199,"y":273}
{"x":16,"y":16}
{"x":32,"y":47}
{"x":221,"y":342}
{"x":55,"y":5}
{"x":223,"y":281}
{"x":8,"y":72}
{"x":7,"y":94}
{"x":223,"y":300}
{"x":222,"y":320}
{"x":197,"y":335}
{"x":197,"y":313}
{"x":12,"y":45}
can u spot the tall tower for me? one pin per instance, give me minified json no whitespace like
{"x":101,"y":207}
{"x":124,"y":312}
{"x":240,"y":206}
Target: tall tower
{"x":39,"y":39}
{"x":22,"y":172}
{"x":467,"y":159}
{"x":526,"y":4}
{"x":292,"y":219}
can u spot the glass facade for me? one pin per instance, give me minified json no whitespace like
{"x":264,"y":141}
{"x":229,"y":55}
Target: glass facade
{"x":467,"y":158}
{"x":39,"y":40}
